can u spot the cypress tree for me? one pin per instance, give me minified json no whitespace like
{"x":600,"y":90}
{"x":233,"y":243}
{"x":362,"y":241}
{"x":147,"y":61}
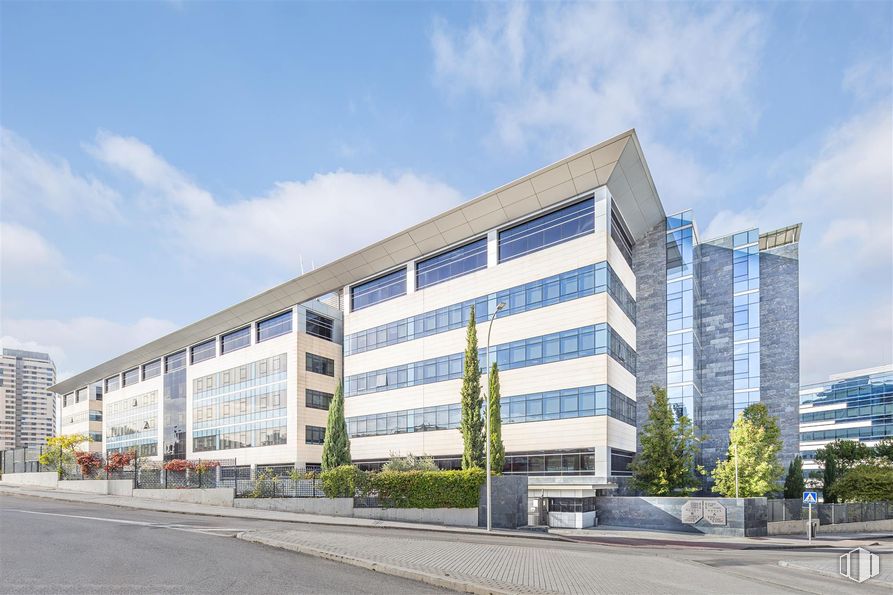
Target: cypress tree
{"x":794,"y":485}
{"x":472,"y":423}
{"x":336,"y":446}
{"x":497,"y":450}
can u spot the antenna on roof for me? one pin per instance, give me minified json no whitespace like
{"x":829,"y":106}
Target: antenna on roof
{"x":301,"y":257}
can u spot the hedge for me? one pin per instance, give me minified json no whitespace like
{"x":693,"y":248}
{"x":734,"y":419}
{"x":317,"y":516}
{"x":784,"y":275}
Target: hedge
{"x":407,"y":489}
{"x":864,"y":483}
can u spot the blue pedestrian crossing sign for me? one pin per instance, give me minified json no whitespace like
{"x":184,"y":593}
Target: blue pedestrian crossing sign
{"x":810,"y":498}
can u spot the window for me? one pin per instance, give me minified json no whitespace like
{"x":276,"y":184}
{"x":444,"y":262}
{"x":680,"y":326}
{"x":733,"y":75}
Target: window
{"x":131,"y":377}
{"x":203,"y":351}
{"x":315,"y":435}
{"x":548,"y":230}
{"x":320,"y":364}
{"x":620,"y":461}
{"x":81,"y":394}
{"x":235,"y":340}
{"x":449,"y":265}
{"x":317,"y":399}
{"x":621,"y":235}
{"x":378,"y":290}
{"x":112,"y":383}
{"x":152,"y":369}
{"x":175,"y":361}
{"x":273,"y":327}
{"x":319,"y":326}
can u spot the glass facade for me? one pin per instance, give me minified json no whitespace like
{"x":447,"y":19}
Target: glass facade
{"x":547,"y":230}
{"x":203,"y":351}
{"x":235,"y":340}
{"x":683,"y":339}
{"x":320,"y":326}
{"x":449,"y":265}
{"x":274,"y":327}
{"x":568,"y":403}
{"x":241,"y":407}
{"x":132,"y":424}
{"x":174,"y":415}
{"x":746,"y":296}
{"x":175,"y":361}
{"x":858,"y":407}
{"x":383,"y":288}
{"x":556,"y":289}
{"x":580,"y":342}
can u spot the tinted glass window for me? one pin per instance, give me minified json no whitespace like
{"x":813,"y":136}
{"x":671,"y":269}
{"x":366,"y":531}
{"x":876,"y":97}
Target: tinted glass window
{"x":378,"y":290}
{"x":551,"y":229}
{"x":455,"y":263}
{"x":273,"y":327}
{"x":319,"y":326}
{"x":152,"y":369}
{"x":235,"y":340}
{"x":320,"y":364}
{"x":130,"y":377}
{"x":204,"y":351}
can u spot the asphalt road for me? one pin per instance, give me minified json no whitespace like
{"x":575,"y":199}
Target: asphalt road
{"x":55,"y":547}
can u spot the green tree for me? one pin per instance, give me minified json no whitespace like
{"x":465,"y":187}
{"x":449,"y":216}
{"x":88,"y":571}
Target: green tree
{"x":410,"y":462}
{"x":472,"y":422}
{"x":59,"y":451}
{"x":794,"y":485}
{"x":666,"y":465}
{"x":336,"y":445}
{"x":864,"y":483}
{"x":838,"y":457}
{"x":497,"y":449}
{"x":884,"y":449}
{"x":755,"y":441}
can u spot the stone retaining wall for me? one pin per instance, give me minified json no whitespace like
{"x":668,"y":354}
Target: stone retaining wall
{"x":744,"y":517}
{"x":210,"y":496}
{"x":329,"y":506}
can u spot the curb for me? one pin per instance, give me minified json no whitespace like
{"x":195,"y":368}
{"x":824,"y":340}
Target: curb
{"x":786,"y":564}
{"x":517,"y":534}
{"x":446,"y":582}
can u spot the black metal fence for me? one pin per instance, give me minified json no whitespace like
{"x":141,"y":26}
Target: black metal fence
{"x":277,"y":481}
{"x":829,"y":514}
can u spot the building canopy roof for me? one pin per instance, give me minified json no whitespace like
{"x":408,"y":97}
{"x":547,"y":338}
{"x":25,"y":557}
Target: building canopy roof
{"x":617,"y":162}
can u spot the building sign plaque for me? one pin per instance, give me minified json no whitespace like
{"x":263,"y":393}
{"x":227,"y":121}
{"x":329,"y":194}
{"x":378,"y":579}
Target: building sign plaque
{"x":693,"y":511}
{"x":714,"y":513}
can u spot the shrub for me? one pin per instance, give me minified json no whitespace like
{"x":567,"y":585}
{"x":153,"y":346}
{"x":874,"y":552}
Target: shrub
{"x":118,"y":461}
{"x":296,"y":475}
{"x":205,"y":466}
{"x":178,"y":465}
{"x":864,"y":483}
{"x":345,"y":481}
{"x":409,"y":463}
{"x":88,"y":461}
{"x":429,"y":489}
{"x":265,"y":484}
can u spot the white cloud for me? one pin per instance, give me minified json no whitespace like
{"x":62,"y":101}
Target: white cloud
{"x":80,"y":343}
{"x":869,"y":78}
{"x":564,"y":75}
{"x":34,"y":184}
{"x":26,"y":258}
{"x":322,"y":218}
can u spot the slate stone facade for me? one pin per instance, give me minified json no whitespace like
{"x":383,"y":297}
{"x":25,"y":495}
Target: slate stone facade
{"x":745,"y":517}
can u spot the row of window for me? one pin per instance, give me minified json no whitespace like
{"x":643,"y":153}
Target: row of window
{"x":883,"y":406}
{"x":141,"y":449}
{"x":260,"y":372}
{"x":241,"y":407}
{"x":580,"y":342}
{"x":876,"y":431}
{"x":569,"y":403}
{"x":845,"y":390}
{"x":547,"y":230}
{"x":555,"y":289}
{"x":264,"y":433}
{"x":316,"y":325}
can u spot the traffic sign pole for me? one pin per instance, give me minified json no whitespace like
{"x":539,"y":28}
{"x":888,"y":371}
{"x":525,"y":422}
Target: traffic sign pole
{"x":809,"y":526}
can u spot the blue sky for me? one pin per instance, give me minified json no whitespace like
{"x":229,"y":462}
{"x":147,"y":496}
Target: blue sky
{"x":162,"y":161}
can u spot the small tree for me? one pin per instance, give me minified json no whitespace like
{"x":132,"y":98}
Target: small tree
{"x":60,"y":451}
{"x":497,"y":449}
{"x":755,"y":441}
{"x":472,"y":423}
{"x":410,"y":462}
{"x":838,"y":457}
{"x":336,"y":444}
{"x":666,"y":464}
{"x":884,"y":449}
{"x":829,"y":477}
{"x":794,"y":486}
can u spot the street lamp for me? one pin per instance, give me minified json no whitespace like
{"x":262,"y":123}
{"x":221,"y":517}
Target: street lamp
{"x":499,"y":307}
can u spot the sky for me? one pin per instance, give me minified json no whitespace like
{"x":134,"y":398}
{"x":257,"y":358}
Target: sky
{"x":162,"y":161}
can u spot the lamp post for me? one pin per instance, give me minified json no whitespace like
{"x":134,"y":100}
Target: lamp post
{"x":499,"y":307}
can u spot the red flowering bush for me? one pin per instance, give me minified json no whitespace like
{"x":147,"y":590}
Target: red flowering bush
{"x":118,"y":461}
{"x":205,"y":466}
{"x":179,"y":465}
{"x":88,"y":461}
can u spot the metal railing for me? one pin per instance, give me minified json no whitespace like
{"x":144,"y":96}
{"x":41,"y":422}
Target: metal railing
{"x":22,"y":460}
{"x":829,"y":514}
{"x":278,"y":481}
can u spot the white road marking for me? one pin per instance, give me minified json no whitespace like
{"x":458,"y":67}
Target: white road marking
{"x":175,"y":526}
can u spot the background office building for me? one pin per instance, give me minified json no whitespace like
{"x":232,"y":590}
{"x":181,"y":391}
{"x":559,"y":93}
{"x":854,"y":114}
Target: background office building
{"x":851,"y":406}
{"x":600,"y":299}
{"x":82,"y":414}
{"x":28,"y":405}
